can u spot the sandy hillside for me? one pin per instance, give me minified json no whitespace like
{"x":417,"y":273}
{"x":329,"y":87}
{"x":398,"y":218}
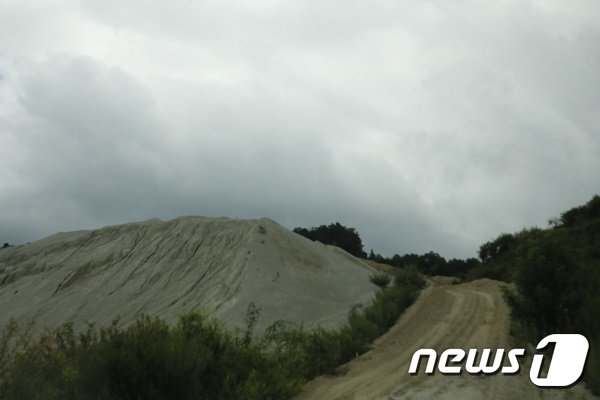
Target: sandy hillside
{"x":161,"y":268}
{"x":472,"y":315}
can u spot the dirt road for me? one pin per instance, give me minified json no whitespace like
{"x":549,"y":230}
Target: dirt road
{"x":471,"y":315}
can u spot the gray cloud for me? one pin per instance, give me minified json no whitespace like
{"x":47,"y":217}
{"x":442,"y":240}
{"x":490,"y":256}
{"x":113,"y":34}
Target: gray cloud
{"x":425,"y":125}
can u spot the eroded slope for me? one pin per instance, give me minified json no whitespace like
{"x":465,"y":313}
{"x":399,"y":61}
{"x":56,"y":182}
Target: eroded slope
{"x":219,"y":265}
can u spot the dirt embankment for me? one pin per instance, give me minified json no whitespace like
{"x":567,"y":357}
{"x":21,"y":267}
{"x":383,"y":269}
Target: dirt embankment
{"x":471,"y":315}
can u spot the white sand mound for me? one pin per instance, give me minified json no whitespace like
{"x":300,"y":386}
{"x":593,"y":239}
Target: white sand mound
{"x":218,"y":265}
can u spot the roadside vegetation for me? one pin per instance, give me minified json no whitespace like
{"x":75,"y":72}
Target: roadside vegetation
{"x":555,"y":279}
{"x":197,"y":358}
{"x":554,"y":275}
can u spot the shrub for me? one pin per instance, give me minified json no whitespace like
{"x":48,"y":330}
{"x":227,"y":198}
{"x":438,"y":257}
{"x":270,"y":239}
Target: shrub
{"x":381,"y":280}
{"x":408,"y":277}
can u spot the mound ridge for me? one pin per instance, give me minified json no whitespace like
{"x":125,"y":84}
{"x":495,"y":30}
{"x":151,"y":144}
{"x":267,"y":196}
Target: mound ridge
{"x":163,"y":268}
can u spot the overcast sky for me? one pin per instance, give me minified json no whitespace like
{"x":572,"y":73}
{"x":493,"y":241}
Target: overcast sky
{"x":426,"y":125}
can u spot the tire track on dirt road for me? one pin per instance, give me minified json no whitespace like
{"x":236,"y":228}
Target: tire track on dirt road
{"x":470,"y":315}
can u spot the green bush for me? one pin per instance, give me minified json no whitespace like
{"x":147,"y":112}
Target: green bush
{"x":408,"y":278}
{"x":381,"y":280}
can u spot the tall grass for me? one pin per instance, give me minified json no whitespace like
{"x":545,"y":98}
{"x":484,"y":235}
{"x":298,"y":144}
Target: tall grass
{"x":197,"y":358}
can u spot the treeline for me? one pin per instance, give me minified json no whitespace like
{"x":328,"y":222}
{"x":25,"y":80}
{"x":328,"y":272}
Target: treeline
{"x":193,"y":359}
{"x":430,"y":263}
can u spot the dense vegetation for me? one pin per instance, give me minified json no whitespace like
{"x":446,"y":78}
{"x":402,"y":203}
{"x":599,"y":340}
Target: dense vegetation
{"x":194,"y":359}
{"x":556,"y":273}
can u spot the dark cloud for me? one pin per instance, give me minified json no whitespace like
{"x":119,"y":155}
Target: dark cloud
{"x":425,"y":125}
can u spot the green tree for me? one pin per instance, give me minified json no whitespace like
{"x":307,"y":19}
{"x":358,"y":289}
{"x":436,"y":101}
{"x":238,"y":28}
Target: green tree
{"x":335,"y":234}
